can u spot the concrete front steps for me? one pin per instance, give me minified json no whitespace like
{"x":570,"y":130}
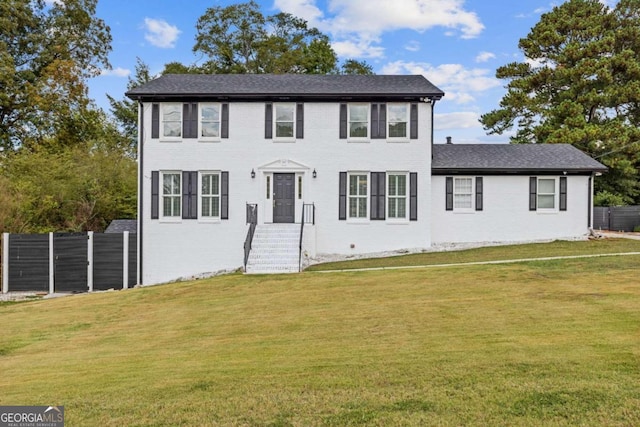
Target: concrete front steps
{"x":275,"y":249}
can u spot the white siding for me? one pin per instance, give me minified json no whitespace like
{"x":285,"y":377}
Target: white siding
{"x":171,"y":250}
{"x":506,"y":216}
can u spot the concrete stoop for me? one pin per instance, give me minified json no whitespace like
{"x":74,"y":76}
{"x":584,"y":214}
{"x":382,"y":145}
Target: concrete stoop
{"x":275,"y":249}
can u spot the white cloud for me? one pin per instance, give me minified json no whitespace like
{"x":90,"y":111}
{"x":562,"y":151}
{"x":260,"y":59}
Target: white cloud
{"x":412,"y":46}
{"x":360,"y":23}
{"x":459,"y":84}
{"x":460,"y":120}
{"x":160,"y":33}
{"x":117,"y":72}
{"x":485,"y":56}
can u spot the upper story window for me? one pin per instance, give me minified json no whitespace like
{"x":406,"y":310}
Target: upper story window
{"x":171,"y":200}
{"x":209,"y":124}
{"x":397,"y":121}
{"x":171,"y":120}
{"x":285,"y":119}
{"x":358,"y":119}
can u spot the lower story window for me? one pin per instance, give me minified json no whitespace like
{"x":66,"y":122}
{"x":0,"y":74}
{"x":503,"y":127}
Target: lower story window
{"x":171,"y":200}
{"x":358,"y":187}
{"x":397,"y":196}
{"x":546,"y":193}
{"x":463,"y":193}
{"x":210,"y":195}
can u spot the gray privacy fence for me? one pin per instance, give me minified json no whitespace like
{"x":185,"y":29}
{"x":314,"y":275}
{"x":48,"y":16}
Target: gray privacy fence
{"x":68,"y":262}
{"x":616,"y":218}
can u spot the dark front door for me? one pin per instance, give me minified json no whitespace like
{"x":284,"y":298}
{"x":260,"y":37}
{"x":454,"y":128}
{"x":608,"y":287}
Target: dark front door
{"x":284,"y":197}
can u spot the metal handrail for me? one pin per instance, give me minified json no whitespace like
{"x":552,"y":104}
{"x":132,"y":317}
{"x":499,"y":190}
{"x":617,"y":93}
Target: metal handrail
{"x":252,"y":220}
{"x":306,"y":217}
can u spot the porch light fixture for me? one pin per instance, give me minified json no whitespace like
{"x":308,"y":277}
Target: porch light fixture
{"x":253,"y":174}
{"x":314,"y":174}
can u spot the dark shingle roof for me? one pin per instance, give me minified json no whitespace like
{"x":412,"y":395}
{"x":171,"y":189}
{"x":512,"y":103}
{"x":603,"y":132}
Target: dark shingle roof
{"x":293,"y":85}
{"x":122,"y":225}
{"x":512,"y":158}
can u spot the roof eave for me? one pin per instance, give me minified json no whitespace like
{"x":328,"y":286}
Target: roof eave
{"x":516,"y":171}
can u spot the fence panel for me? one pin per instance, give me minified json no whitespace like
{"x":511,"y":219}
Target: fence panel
{"x":70,"y":262}
{"x":107,"y":261}
{"x":616,"y":218}
{"x":133,"y":260}
{"x":29,"y":262}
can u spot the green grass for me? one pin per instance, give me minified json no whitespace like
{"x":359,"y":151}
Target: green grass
{"x":541,"y":343}
{"x":494,"y":253}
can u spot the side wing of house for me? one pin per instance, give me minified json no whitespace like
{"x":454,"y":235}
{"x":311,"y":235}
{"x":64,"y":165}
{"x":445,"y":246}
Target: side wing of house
{"x":511,"y":193}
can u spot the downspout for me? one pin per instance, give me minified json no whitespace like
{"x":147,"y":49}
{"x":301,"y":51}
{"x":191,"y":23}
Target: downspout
{"x":590,"y":204}
{"x":140,"y":186}
{"x":433,"y":104}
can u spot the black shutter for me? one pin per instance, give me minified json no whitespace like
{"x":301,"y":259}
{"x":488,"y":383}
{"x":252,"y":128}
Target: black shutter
{"x":382,"y":121}
{"x":533,"y":190}
{"x":342,"y":200}
{"x":378,"y":193}
{"x":189,"y":195}
{"x":478,"y":193}
{"x":413,"y":121}
{"x":563,"y":193}
{"x":224,"y":121}
{"x":449,"y":193}
{"x":343,"y":121}
{"x":413,"y":196}
{"x":300,"y":120}
{"x":268,"y":120}
{"x":374,"y":121}
{"x":190,"y":120}
{"x":155,"y":198}
{"x":224,"y":193}
{"x":155,"y":121}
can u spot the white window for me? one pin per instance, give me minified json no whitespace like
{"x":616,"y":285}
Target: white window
{"x":358,"y":192}
{"x":285,"y":119}
{"x":358,"y":119}
{"x":209,"y":195}
{"x":209,"y":124}
{"x":171,"y":194}
{"x":171,"y":120}
{"x":397,"y":121}
{"x":463,"y":193}
{"x":546,"y":193}
{"x":397,"y":196}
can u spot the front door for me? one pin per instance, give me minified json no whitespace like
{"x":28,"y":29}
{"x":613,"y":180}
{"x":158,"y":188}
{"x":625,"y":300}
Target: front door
{"x":284,"y":193}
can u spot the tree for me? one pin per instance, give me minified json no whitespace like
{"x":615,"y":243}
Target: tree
{"x":240,"y":39}
{"x":580,"y":84}
{"x":351,"y":66}
{"x":47,"y":51}
{"x":125,"y":111}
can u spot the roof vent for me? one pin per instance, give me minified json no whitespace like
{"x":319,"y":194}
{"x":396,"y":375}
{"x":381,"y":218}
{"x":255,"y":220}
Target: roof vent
{"x":449,"y":140}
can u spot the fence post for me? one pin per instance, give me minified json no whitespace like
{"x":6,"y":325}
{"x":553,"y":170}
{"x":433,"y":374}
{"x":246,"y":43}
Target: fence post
{"x":90,"y":260}
{"x":5,"y":263}
{"x":125,"y":260}
{"x":51,"y":266}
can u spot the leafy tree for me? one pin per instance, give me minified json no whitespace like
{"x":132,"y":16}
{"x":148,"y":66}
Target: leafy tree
{"x":580,"y":84}
{"x":46,"y":54}
{"x":125,"y":111}
{"x":240,"y":39}
{"x":351,"y":66}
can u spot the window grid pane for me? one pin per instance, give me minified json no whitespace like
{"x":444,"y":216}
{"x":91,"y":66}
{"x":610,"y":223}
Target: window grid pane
{"x":209,"y":121}
{"x":172,"y":120}
{"x":358,"y":121}
{"x":463,"y":193}
{"x":210,"y":195}
{"x":358,"y":196}
{"x":396,"y":195}
{"x":397,"y":118}
{"x":546,"y":194}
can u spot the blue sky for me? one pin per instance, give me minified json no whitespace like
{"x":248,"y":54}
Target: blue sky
{"x":456,"y":44}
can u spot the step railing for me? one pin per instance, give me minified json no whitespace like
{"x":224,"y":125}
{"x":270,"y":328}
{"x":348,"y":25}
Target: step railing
{"x":252,"y":220}
{"x":308,"y":216}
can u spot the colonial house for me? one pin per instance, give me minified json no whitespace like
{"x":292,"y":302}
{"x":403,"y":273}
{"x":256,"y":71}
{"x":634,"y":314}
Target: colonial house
{"x":262,"y":171}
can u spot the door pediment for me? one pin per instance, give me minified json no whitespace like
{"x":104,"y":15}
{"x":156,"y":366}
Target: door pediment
{"x":283,"y":165}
